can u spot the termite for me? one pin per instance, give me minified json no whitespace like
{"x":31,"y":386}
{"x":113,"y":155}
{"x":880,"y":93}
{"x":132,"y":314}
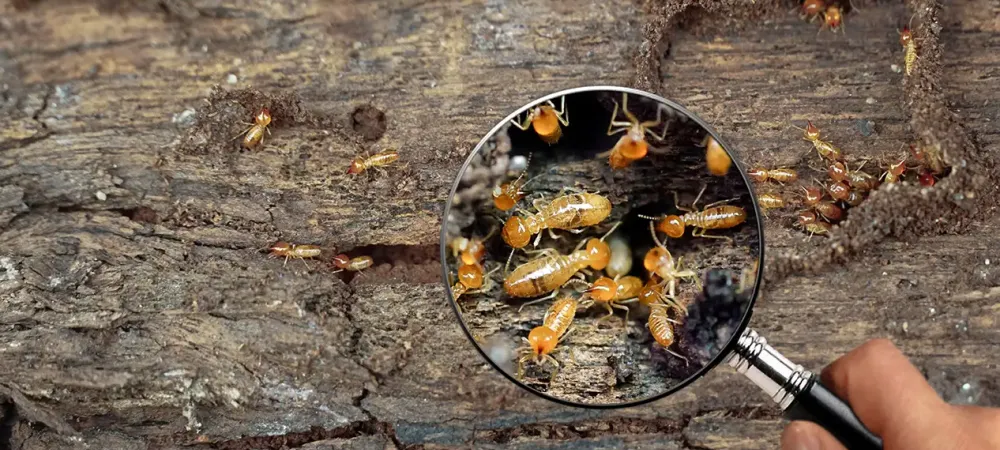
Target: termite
{"x":539,"y":346}
{"x":551,"y":271}
{"x":632,"y":146}
{"x":255,"y":133}
{"x":660,"y":262}
{"x":506,"y":196}
{"x":472,"y":281}
{"x":854,"y":198}
{"x":818,"y":227}
{"x":770,"y":201}
{"x":545,"y":120}
{"x":909,"y":47}
{"x":560,"y":315}
{"x":376,"y":161}
{"x":652,"y":291}
{"x":926,"y":178}
{"x":781,"y":176}
{"x":824,"y":148}
{"x":716,"y":159}
{"x":857,"y":179}
{"x":829,"y":210}
{"x":839,"y":190}
{"x":715,"y":216}
{"x":659,"y":324}
{"x":833,"y":18}
{"x":895,"y":171}
{"x":282,"y":248}
{"x":569,"y":212}
{"x":342,"y":262}
{"x":613,"y":293}
{"x":930,"y":158}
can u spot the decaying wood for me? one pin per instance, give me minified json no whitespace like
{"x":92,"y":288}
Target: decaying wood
{"x":138,"y":308}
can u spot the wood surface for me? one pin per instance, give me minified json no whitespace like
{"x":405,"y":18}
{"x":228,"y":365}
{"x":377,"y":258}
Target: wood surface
{"x":138,"y":309}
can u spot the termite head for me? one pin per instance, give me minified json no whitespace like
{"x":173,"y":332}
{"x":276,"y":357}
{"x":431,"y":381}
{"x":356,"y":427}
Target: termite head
{"x":341,"y":261}
{"x":471,"y":276}
{"x":505,"y":197}
{"x":603,"y":289}
{"x":672,"y":226}
{"x":650,"y":293}
{"x":656,"y":258}
{"x":926,"y":179}
{"x":542,"y":340}
{"x":544,"y":120}
{"x":833,"y":16}
{"x":812,"y":133}
{"x":473,"y":253}
{"x":898,"y":168}
{"x":812,"y":195}
{"x":357,"y":166}
{"x":280,"y":247}
{"x":263,"y":117}
{"x":515,"y":232}
{"x":905,"y":36}
{"x":807,"y":217}
{"x":813,"y":7}
{"x":598,"y":253}
{"x":837,"y":171}
{"x":839,"y":190}
{"x":758,"y":174}
{"x":635,"y":146}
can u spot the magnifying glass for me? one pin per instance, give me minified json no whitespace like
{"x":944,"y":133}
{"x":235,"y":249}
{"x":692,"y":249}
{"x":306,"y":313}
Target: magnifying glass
{"x":602,"y":247}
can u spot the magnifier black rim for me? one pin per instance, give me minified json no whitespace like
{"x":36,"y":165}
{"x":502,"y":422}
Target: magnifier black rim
{"x":760,"y":252}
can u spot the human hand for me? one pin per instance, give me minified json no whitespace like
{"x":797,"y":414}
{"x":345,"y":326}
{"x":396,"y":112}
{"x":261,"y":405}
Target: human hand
{"x":894,"y":401}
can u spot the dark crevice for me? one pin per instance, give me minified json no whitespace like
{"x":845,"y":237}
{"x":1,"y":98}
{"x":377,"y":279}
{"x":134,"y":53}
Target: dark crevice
{"x":400,"y":263}
{"x":8,"y":420}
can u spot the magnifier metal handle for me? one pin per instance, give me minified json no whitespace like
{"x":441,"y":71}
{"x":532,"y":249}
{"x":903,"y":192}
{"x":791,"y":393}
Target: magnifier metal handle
{"x":799,"y":392}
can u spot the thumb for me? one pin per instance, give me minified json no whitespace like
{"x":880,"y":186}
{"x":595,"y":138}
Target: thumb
{"x":802,"y":435}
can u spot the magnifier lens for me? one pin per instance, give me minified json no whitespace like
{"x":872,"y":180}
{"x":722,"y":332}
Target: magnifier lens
{"x":577,"y":242}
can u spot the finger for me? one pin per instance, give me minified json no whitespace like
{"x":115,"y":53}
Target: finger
{"x":886,"y":392}
{"x":802,"y":435}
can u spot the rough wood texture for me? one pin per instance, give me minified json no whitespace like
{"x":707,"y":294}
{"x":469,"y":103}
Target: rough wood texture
{"x":139,"y":312}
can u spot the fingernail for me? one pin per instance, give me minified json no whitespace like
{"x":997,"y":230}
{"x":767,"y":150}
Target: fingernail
{"x":802,"y":439}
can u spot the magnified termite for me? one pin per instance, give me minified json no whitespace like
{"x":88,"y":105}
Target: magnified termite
{"x":715,"y":216}
{"x":506,"y":196}
{"x":569,"y":212}
{"x":633,"y":145}
{"x":542,"y":340}
{"x":612,"y":294}
{"x":660,"y":262}
{"x":545,"y":119}
{"x":470,"y":250}
{"x":553,"y":270}
{"x":825,"y":149}
{"x":660,"y":326}
{"x":895,"y":171}
{"x":471,"y":280}
{"x":254,"y":134}
{"x":293,"y":251}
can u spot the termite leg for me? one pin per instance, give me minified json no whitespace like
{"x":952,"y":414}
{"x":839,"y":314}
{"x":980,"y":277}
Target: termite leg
{"x":679,"y":356}
{"x":701,"y":232}
{"x":617,"y":306}
{"x":527,"y":121}
{"x":540,"y":300}
{"x":694,"y":204}
{"x":721,"y":202}
{"x":243,"y":133}
{"x":611,"y":312}
{"x":613,"y":123}
{"x":552,"y":234}
{"x":652,"y":231}
{"x":561,"y":114}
